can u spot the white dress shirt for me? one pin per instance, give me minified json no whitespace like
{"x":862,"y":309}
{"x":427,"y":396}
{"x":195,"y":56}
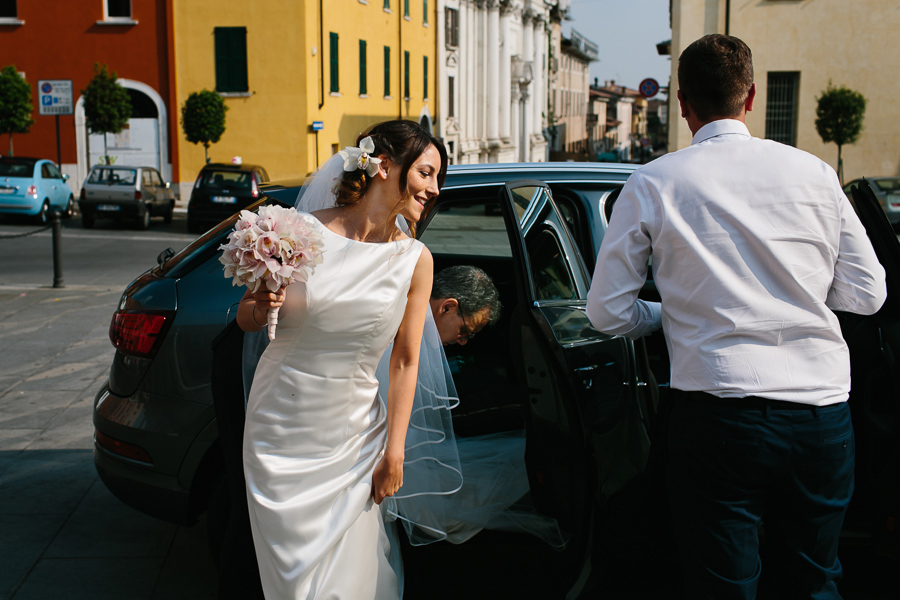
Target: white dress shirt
{"x":754,"y":244}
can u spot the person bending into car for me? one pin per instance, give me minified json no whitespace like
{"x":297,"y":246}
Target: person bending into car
{"x":754,"y":244}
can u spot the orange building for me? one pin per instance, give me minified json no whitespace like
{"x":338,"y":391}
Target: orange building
{"x":62,"y":39}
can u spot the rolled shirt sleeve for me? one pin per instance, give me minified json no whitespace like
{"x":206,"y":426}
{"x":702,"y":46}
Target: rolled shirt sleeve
{"x":859,"y":284}
{"x":613,"y":306}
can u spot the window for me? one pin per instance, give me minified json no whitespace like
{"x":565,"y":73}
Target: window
{"x":451,"y":96}
{"x":231,"y":59}
{"x":406,"y":8}
{"x":362,"y":68}
{"x":451,"y":18}
{"x":425,"y":76}
{"x":425,"y":11}
{"x":8,"y":9}
{"x":406,"y":74}
{"x":118,"y":9}
{"x":387,"y":71}
{"x":333,"y":58}
{"x":387,"y":5}
{"x":781,"y":107}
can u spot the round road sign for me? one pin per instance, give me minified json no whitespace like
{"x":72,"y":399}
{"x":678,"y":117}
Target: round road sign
{"x":648,"y":88}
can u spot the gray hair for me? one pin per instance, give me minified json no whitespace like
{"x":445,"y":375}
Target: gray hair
{"x":471,"y":287}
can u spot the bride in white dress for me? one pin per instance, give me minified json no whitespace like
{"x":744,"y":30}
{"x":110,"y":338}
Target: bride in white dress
{"x":320,"y":447}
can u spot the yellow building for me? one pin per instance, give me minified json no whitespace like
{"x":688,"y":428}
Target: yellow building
{"x":282,"y":65}
{"x":798,"y":47}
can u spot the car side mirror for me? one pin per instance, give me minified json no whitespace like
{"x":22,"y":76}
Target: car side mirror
{"x":65,"y":177}
{"x":168,"y":185}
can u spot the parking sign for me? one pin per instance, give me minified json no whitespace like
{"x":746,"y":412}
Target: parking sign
{"x":55,"y":97}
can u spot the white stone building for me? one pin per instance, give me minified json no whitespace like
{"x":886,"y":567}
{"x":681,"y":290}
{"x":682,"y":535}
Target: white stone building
{"x":493,"y":78}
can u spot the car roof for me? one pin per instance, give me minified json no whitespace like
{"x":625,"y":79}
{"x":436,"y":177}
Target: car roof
{"x":230,"y":167}
{"x":121,"y":167}
{"x":548,"y":172}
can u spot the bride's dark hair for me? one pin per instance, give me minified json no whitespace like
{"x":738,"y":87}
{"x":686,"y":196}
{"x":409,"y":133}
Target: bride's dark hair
{"x":402,"y":142}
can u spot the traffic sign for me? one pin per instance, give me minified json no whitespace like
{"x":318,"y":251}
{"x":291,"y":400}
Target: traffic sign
{"x":55,"y":97}
{"x":318,"y":125}
{"x":648,"y":88}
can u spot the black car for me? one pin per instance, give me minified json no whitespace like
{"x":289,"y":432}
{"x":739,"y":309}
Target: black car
{"x":220,"y":191}
{"x":585,"y":401}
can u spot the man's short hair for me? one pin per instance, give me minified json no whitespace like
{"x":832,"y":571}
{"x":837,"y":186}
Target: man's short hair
{"x":714,"y":75}
{"x":471,"y":287}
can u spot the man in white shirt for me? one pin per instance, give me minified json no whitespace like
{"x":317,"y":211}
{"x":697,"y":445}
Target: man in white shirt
{"x":753,"y":245}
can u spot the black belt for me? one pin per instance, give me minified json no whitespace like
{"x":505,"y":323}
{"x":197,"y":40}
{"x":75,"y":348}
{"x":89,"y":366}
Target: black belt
{"x":750,"y":402}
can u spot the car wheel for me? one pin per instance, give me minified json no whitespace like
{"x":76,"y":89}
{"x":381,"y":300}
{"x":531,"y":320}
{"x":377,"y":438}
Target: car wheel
{"x":169,"y":213}
{"x":87,"y":221}
{"x":144,"y":220}
{"x":70,"y":208}
{"x":44,"y":215}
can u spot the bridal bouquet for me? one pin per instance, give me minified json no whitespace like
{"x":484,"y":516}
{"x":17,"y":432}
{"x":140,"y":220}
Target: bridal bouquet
{"x":275,"y":247}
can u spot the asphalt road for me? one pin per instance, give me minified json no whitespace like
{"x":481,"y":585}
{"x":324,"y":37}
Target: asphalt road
{"x":62,"y":534}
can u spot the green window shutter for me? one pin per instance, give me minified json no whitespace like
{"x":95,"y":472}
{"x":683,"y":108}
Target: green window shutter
{"x":425,"y":11}
{"x":362,"y":67}
{"x":387,"y":4}
{"x":406,"y":73}
{"x":231,"y":59}
{"x":405,"y":8}
{"x":425,"y":75}
{"x":333,"y":59}
{"x":387,"y":70}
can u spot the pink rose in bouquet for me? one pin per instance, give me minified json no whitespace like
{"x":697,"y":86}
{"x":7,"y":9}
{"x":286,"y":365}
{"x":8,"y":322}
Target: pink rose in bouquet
{"x":274,"y":246}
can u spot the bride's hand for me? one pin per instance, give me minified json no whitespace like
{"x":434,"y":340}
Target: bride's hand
{"x":265,"y":299}
{"x":387,"y":478}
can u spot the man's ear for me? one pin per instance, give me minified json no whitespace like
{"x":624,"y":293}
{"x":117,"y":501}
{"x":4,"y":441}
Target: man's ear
{"x":748,"y":103}
{"x":447,"y":304}
{"x":685,"y":107}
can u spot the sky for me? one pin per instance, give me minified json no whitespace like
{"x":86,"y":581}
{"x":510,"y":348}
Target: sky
{"x":626,"y":33}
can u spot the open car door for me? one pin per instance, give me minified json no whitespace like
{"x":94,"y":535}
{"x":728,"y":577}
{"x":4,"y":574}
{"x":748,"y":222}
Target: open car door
{"x":588,"y":398}
{"x":874,"y":343}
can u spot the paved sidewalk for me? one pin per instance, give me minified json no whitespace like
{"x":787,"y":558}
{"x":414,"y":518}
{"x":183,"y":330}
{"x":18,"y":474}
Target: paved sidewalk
{"x":62,"y":534}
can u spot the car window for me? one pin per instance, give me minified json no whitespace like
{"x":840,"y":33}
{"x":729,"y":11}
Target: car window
{"x":156,"y":178}
{"x":230,"y":180}
{"x":54,"y":172}
{"x":888,"y":185}
{"x":145,"y":176}
{"x":113,"y":176}
{"x":475,"y":228}
{"x":549,"y":272}
{"x":45,"y":171}
{"x":16,"y":168}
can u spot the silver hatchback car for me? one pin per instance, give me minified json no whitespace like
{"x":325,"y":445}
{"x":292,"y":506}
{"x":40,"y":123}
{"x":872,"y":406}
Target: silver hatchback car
{"x":125,"y":193}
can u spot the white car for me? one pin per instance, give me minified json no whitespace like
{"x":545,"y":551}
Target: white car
{"x":125,"y":193}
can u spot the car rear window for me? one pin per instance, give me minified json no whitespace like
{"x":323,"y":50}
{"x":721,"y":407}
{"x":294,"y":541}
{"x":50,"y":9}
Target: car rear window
{"x":220,"y":180}
{"x":113,"y":176}
{"x":888,"y":185}
{"x":16,"y":168}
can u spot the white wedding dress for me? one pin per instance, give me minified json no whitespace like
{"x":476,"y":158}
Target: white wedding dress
{"x":316,"y":427}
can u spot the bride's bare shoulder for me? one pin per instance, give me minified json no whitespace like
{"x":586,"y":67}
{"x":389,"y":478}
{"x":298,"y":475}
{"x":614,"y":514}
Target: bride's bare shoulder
{"x":326,"y":215}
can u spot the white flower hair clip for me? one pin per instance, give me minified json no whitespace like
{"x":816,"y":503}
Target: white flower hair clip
{"x":360,"y":158}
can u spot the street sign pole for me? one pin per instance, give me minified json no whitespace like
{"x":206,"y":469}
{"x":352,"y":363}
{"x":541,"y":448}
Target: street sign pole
{"x":56,"y":99}
{"x":58,"y":151}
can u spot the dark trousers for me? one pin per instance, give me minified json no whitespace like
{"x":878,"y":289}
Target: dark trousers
{"x":738,"y":464}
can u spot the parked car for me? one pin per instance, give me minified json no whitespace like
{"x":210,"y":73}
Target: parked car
{"x":120,"y":192}
{"x":222,"y":190}
{"x":887,"y":191}
{"x":33,"y":187}
{"x":585,"y":401}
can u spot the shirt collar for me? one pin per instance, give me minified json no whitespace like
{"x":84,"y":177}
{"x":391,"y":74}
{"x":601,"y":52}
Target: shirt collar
{"x":720,"y":127}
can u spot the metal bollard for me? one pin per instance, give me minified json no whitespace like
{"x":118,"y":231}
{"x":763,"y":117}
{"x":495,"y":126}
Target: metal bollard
{"x":56,"y":226}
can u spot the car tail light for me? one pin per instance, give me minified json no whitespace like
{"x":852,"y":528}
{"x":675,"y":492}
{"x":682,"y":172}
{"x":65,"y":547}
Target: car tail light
{"x":83,"y":196}
{"x":254,"y":188}
{"x":31,"y":191}
{"x":138,"y":333}
{"x":138,"y":195}
{"x":121,"y":448}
